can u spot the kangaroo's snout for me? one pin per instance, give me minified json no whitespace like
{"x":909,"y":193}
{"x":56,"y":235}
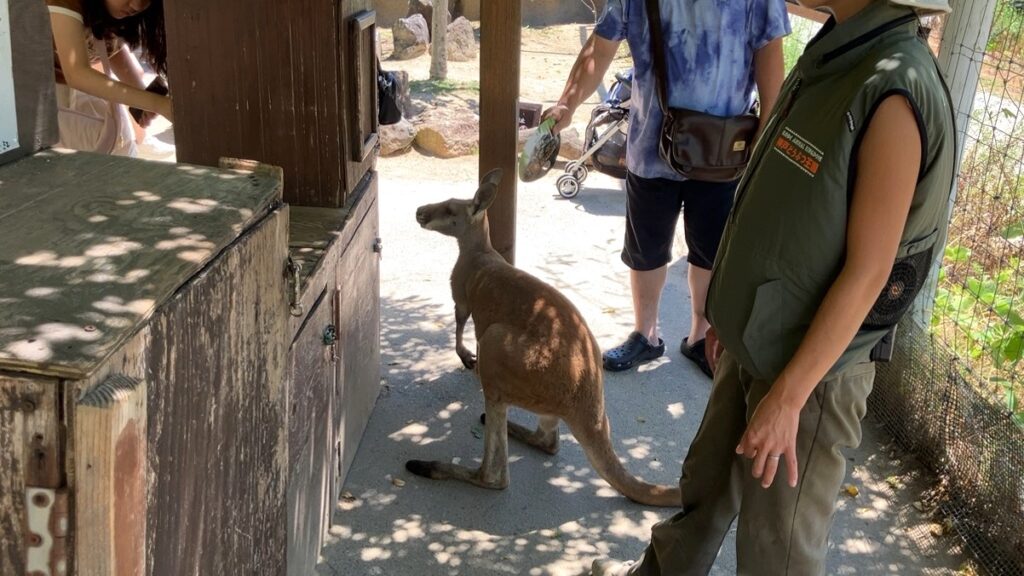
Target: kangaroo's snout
{"x":421,"y":215}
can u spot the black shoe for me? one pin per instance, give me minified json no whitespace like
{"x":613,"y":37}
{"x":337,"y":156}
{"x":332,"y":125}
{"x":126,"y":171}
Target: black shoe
{"x":696,"y":355}
{"x":635,"y":350}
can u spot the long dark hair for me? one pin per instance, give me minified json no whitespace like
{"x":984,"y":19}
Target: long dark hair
{"x":145,"y":30}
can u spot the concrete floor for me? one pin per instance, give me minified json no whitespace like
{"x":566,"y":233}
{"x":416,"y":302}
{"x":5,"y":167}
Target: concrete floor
{"x":557,"y":515}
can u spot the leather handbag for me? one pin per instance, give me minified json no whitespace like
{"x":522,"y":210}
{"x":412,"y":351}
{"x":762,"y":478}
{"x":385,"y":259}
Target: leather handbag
{"x":697,"y":145}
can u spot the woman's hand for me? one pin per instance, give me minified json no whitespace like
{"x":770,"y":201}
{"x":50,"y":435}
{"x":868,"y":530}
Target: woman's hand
{"x":561,"y":114}
{"x":771,"y":437}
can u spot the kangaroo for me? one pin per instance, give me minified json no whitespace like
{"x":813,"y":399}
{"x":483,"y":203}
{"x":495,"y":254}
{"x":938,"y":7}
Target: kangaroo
{"x":535,"y":351}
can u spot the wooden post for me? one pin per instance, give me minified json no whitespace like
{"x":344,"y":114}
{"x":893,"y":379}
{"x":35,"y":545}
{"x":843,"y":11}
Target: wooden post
{"x":500,"y":39}
{"x":439,"y":41}
{"x":110,"y":468}
{"x":964,"y":41}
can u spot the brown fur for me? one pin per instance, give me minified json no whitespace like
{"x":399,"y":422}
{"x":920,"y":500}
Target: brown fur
{"x":535,"y":352}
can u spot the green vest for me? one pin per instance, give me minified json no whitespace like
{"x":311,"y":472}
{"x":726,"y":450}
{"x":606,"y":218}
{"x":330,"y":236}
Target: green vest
{"x":785,"y":241}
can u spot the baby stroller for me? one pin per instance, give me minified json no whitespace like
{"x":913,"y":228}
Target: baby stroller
{"x":604,"y":142}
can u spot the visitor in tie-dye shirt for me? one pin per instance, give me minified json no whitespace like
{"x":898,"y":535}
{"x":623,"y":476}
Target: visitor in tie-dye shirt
{"x":717,"y":52}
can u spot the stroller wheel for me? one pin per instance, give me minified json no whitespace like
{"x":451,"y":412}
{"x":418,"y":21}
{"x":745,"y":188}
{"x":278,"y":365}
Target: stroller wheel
{"x":578,"y":170}
{"x":568,"y":186}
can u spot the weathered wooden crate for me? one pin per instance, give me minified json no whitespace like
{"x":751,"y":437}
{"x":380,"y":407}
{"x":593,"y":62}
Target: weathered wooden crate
{"x":143,"y":349}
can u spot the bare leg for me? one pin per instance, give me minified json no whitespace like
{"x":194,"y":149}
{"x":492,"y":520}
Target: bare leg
{"x":467,"y":357}
{"x":647,"y":286}
{"x":699,"y":280}
{"x":493,"y":471}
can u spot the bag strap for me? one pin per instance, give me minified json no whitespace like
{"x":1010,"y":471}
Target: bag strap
{"x":658,"y":53}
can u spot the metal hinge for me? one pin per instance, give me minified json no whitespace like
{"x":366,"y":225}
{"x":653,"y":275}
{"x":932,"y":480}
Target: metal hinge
{"x":294,"y":269}
{"x":47,"y":537}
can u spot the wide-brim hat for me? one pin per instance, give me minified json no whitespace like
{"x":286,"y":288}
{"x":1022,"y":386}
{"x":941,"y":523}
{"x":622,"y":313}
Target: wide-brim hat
{"x":925,"y":6}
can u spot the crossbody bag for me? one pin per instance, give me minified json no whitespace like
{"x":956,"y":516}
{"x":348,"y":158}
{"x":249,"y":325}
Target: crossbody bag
{"x":697,"y":145}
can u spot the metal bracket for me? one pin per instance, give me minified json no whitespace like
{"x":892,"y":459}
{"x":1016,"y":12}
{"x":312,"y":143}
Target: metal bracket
{"x":294,"y":269}
{"x":46,"y":549}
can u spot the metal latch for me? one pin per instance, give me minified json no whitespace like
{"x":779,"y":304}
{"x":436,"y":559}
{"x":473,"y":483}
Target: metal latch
{"x":46,"y":550}
{"x":331,"y":340}
{"x":294,"y":269}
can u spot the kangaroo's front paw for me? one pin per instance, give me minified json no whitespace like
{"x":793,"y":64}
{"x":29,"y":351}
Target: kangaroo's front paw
{"x":468,"y":358}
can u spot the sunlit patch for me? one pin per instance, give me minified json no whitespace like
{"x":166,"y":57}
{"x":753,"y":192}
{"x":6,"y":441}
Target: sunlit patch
{"x":452,"y":408}
{"x":197,"y":256}
{"x":653,"y":364}
{"x":42,"y":292}
{"x":640,"y":451}
{"x":411,"y":529}
{"x":146,"y":196}
{"x":97,"y":219}
{"x":374,"y":553}
{"x":113,"y":247}
{"x":676,"y":410}
{"x":566,"y":485}
{"x":127,"y":202}
{"x":189,"y":241}
{"x":51,"y":260}
{"x":889,"y":64}
{"x":193,"y":206}
{"x":115,"y":305}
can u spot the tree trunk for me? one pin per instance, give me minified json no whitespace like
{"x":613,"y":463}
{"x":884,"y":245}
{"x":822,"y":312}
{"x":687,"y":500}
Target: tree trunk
{"x":439,"y":41}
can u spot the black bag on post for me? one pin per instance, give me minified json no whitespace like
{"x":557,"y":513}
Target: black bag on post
{"x":388,"y":111}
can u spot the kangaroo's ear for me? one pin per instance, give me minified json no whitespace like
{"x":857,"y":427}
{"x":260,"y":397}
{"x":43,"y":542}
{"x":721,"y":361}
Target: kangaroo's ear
{"x":487,"y":191}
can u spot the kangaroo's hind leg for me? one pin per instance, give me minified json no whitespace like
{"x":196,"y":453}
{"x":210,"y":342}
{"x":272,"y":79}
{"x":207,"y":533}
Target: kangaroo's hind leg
{"x":493,"y":470}
{"x":544,"y":438}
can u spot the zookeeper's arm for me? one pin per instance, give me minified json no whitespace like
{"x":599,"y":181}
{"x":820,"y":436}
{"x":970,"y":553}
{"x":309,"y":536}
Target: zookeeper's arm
{"x":887,"y":172}
{"x":69,"y":36}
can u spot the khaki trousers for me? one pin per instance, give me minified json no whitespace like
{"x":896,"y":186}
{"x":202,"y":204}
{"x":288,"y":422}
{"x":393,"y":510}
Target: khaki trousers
{"x":781,"y":530}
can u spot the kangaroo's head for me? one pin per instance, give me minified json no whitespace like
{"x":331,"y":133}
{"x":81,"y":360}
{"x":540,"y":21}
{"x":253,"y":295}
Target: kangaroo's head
{"x":456,"y":217}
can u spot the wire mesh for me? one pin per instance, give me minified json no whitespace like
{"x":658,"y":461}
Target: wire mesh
{"x":953,"y":393}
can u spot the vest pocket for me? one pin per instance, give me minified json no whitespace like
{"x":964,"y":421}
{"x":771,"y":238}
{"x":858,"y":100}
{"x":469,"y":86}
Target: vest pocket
{"x":909,"y":273}
{"x":762,"y":336}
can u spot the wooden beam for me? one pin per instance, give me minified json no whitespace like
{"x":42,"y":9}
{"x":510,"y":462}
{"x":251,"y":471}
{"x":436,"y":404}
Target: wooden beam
{"x":110,"y":438}
{"x":500,"y":40}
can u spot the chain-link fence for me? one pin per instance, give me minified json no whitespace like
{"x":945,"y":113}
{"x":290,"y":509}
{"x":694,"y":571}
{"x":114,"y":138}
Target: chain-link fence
{"x":954,"y":393}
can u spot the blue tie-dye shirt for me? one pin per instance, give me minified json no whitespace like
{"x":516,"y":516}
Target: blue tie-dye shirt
{"x":710,"y":54}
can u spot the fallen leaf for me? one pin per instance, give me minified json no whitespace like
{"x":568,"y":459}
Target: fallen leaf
{"x":937,"y":530}
{"x":478,"y":431}
{"x":398,"y":482}
{"x":641,"y":419}
{"x":852,"y":490}
{"x":920,"y":507}
{"x":347,"y":496}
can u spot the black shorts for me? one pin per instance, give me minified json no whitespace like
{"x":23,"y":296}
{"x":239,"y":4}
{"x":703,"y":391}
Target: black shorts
{"x":652,"y":210}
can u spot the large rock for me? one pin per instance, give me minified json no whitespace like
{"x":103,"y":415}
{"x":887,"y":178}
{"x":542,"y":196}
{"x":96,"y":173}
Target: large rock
{"x":424,"y":8}
{"x":411,"y":36}
{"x":396,"y":138}
{"x":461,"y":41}
{"x":448,"y":132}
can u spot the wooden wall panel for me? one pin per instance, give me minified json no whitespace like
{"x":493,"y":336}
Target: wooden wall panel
{"x":311,"y":438}
{"x":217,"y":422}
{"x":30,"y":444}
{"x":34,"y":88}
{"x":359,"y":327}
{"x":272,"y":93}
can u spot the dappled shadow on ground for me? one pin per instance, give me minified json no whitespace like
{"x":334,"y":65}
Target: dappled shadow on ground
{"x":557,"y":515}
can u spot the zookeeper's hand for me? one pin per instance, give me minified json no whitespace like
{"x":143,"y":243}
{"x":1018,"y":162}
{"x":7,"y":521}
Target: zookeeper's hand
{"x":771,"y":437}
{"x":712,"y":349}
{"x":561,"y":114}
